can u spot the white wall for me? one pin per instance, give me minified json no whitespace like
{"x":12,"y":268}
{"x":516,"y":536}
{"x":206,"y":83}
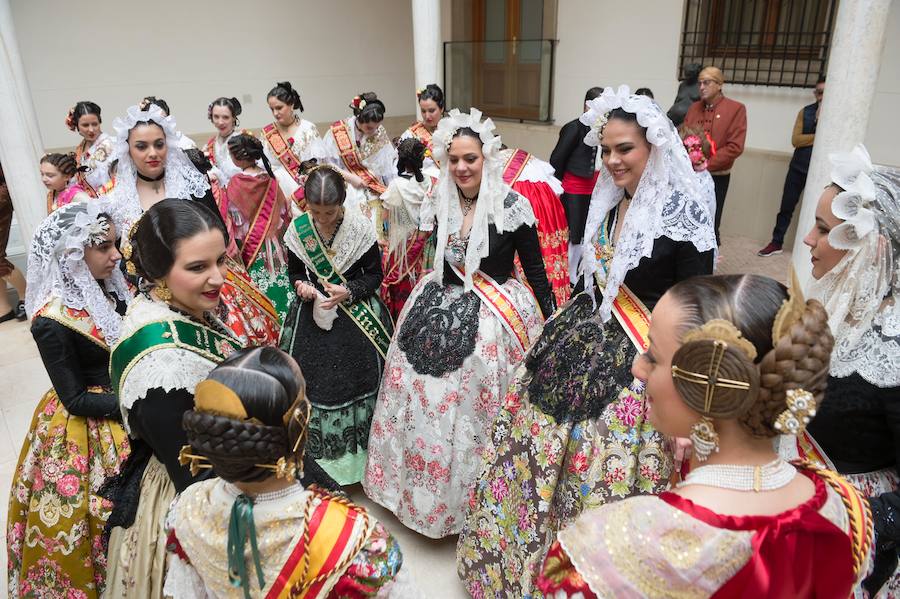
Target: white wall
{"x":609,"y":42}
{"x":191,"y":51}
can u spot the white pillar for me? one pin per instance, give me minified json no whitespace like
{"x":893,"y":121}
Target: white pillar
{"x":856,"y":47}
{"x":20,"y":140}
{"x":426,"y":16}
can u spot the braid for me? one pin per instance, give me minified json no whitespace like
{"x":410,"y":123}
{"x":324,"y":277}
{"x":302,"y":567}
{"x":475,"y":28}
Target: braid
{"x":235,"y":447}
{"x":248,"y":147}
{"x":410,"y":156}
{"x":800,"y":359}
{"x":65,"y":163}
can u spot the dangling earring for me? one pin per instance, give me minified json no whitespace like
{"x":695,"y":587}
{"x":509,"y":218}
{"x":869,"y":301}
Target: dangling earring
{"x":705,"y":438}
{"x":163,"y":292}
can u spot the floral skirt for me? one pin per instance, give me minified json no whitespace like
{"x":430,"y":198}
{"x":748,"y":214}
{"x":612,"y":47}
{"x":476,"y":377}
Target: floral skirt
{"x":571,"y":435}
{"x":447,"y":371}
{"x":274,"y":285}
{"x":56,"y":519}
{"x":137,"y":564}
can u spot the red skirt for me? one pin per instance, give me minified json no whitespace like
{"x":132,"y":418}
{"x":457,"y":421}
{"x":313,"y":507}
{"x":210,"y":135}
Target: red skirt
{"x":399,"y":279}
{"x":553,"y":233}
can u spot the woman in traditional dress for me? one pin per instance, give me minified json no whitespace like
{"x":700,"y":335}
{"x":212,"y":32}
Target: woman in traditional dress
{"x":431,"y":107}
{"x":171,"y":339}
{"x":337,"y":329}
{"x":257,"y":216}
{"x":223,"y":114}
{"x":360,"y":147}
{"x":290,"y":139}
{"x":855,"y":247}
{"x":250,"y":424}
{"x":151,"y":166}
{"x":57,"y":175}
{"x":463,"y":331}
{"x":75,"y":298}
{"x":534,"y":179}
{"x":733,"y":362}
{"x":96,"y":148}
{"x":404,"y":260}
{"x":572,"y":432}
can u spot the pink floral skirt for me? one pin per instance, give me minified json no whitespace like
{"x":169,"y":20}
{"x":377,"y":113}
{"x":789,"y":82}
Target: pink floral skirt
{"x":429,"y":430}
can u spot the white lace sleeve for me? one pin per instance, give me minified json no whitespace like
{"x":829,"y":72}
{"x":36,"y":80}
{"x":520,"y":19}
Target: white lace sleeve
{"x":183,"y":582}
{"x":517,"y":211}
{"x":383,"y":163}
{"x":327,"y":151}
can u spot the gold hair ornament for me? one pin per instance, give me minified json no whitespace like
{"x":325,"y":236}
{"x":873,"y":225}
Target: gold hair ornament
{"x":801,"y":407}
{"x":723,"y":334}
{"x":704,"y":438}
{"x":128,"y":247}
{"x":791,"y":310}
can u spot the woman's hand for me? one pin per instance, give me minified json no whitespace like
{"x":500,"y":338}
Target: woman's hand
{"x":305,"y":291}
{"x":336,"y":294}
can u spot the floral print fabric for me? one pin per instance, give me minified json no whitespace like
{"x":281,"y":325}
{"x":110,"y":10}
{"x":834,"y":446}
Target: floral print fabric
{"x":542,"y":471}
{"x":429,"y":432}
{"x":56,"y":517}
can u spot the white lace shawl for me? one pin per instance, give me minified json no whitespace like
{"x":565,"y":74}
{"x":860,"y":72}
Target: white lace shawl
{"x":97,"y":159}
{"x":182,"y":179}
{"x":56,"y":267}
{"x":536,"y":171}
{"x":668,"y":200}
{"x":497,"y":203}
{"x":224,"y":168}
{"x":860,"y":293}
{"x":403,"y":203}
{"x":377,"y":152}
{"x":168,"y":368}
{"x":354,"y":238}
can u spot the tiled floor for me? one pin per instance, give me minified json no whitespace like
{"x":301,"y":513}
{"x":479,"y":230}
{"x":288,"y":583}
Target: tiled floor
{"x":23,"y":381}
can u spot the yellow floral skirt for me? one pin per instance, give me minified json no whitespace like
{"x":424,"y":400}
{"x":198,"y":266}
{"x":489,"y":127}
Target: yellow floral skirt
{"x":56,"y":519}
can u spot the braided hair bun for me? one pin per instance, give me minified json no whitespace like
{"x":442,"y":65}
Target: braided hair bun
{"x":271,"y":391}
{"x":64,"y":163}
{"x":727,"y":329}
{"x":410,"y":157}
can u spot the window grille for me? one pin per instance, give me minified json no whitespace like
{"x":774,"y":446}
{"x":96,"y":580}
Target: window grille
{"x":759,"y":42}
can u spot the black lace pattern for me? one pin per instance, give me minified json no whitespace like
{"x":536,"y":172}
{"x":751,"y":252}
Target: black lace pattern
{"x":579,"y":364}
{"x":440,"y":330}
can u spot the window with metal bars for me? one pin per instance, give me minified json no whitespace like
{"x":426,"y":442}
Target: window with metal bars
{"x":759,"y":42}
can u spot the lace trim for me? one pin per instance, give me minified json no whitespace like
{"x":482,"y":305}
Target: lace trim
{"x":355,"y":237}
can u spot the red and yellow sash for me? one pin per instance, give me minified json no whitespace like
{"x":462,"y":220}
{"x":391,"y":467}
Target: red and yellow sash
{"x":810,"y":451}
{"x":634,"y":317}
{"x":242,"y":283}
{"x":343,"y":138}
{"x":514,"y":166}
{"x":282,"y":151}
{"x":499,"y":302}
{"x":424,"y":135}
{"x":211,"y":150}
{"x":858,"y":512}
{"x":326,"y":547}
{"x":80,"y":175}
{"x":260,"y":225}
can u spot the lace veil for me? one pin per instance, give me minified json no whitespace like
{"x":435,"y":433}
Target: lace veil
{"x":861,"y":291}
{"x":443,"y":203}
{"x":56,"y":266}
{"x":182,"y":179}
{"x":668,"y":200}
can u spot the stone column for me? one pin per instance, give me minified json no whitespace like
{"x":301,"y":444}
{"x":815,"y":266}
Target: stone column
{"x":20,"y":139}
{"x":856,"y":47}
{"x":426,"y":16}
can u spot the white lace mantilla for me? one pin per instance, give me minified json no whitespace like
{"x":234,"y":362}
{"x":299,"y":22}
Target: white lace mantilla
{"x":56,"y":266}
{"x":167,"y":368}
{"x":354,"y":238}
{"x":860,"y":293}
{"x":182,"y":179}
{"x":668,"y":200}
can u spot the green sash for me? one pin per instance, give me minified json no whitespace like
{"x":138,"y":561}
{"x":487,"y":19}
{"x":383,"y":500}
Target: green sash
{"x":201,"y":340}
{"x":359,"y":312}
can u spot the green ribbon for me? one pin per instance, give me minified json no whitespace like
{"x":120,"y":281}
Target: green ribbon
{"x":240,"y":528}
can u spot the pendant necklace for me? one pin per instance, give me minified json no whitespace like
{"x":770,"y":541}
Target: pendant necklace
{"x":155,"y":181}
{"x":467,"y":203}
